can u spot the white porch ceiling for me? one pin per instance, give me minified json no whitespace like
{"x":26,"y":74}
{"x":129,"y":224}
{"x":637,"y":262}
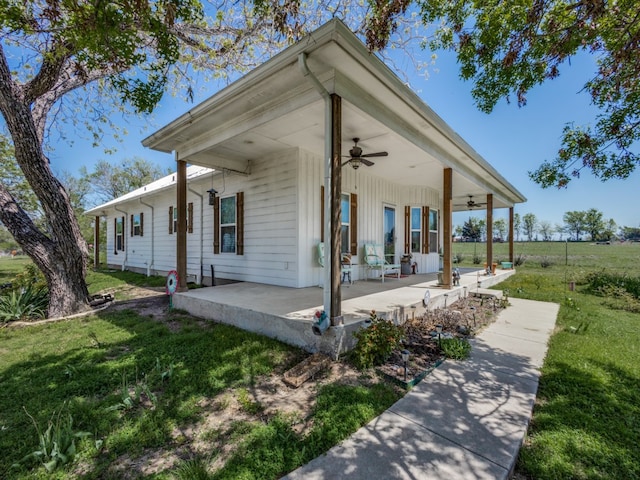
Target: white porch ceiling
{"x":276,"y":108}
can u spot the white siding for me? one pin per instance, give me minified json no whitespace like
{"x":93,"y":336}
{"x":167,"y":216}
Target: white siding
{"x":281,"y":222}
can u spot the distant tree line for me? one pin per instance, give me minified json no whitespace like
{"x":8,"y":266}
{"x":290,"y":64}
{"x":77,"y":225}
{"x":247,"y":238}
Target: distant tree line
{"x":577,"y":225}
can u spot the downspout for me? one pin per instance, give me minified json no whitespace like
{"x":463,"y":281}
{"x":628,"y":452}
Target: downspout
{"x":153,"y":234}
{"x":326,"y":289}
{"x":124,"y":236}
{"x":199,"y":274}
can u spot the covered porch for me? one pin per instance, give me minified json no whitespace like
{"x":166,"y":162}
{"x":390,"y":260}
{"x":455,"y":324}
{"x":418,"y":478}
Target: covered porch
{"x":287,"y":314}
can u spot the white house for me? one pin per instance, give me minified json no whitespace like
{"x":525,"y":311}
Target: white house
{"x":275,"y":170}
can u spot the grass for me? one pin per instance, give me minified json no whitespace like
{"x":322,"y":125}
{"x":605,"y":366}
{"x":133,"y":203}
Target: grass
{"x":10,"y":267}
{"x":137,"y":385}
{"x":586,"y":421}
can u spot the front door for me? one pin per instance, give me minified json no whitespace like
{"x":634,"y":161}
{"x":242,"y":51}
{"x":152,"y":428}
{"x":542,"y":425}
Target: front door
{"x":389,"y":234}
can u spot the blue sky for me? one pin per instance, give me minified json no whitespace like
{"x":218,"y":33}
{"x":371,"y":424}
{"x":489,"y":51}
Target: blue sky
{"x":514,"y":140}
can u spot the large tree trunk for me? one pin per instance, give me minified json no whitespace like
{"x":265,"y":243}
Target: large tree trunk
{"x":60,"y":253}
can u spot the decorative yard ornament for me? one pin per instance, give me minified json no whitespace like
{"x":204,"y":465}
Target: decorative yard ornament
{"x":172,"y":285}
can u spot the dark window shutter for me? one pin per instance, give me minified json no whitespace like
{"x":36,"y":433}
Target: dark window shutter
{"x":115,"y":236}
{"x":407,"y":229}
{"x":216,"y":225}
{"x":123,"y":224}
{"x":190,"y":217}
{"x":322,"y":213}
{"x":354,"y":224}
{"x":141,"y":223}
{"x":240,"y":223}
{"x":131,"y":229}
{"x":171,"y":220}
{"x":425,"y":229}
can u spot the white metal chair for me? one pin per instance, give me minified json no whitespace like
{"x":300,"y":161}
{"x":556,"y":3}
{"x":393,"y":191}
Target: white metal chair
{"x":374,"y":260}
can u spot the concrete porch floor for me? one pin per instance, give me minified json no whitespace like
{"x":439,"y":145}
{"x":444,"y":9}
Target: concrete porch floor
{"x":287,"y":314}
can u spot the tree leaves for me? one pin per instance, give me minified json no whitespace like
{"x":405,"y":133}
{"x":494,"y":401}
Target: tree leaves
{"x":507,"y":48}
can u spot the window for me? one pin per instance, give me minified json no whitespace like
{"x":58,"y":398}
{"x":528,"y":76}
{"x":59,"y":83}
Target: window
{"x":433,"y":231}
{"x":136,"y":224}
{"x":348,"y":221}
{"x":118,"y":234}
{"x":345,"y":224}
{"x":173,"y":219}
{"x":416,"y":229}
{"x":228,"y":224}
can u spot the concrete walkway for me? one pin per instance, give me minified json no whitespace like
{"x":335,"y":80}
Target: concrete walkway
{"x":466,"y":420}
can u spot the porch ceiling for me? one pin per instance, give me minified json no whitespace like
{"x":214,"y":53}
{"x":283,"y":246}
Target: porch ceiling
{"x":276,"y":108}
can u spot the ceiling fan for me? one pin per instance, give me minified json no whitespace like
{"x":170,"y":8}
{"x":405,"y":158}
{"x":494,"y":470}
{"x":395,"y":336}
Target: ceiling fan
{"x":356,"y":157}
{"x":471,"y":203}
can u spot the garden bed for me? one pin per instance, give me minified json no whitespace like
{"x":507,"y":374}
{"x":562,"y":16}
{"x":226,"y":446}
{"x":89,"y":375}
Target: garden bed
{"x":461,"y":319}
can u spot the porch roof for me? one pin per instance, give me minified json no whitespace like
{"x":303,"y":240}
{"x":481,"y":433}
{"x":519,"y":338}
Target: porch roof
{"x":274,"y":108}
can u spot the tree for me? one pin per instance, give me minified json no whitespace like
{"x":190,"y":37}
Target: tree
{"x":517,"y":225}
{"x":574,"y":223}
{"x":472,"y":229}
{"x":609,"y":231}
{"x":500,"y":228}
{"x":507,"y":48}
{"x":132,"y":51}
{"x":546,"y":230}
{"x":594,"y":223}
{"x":109,"y":181}
{"x":630,"y":234}
{"x":529,"y":225}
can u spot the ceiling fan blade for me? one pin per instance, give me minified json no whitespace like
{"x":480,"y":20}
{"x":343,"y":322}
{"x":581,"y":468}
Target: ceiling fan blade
{"x":377,"y":154}
{"x":348,"y":161}
{"x":368,"y":163}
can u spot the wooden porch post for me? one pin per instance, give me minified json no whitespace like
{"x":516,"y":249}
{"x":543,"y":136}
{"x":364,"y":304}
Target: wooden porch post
{"x":96,"y":243}
{"x":511,"y":235}
{"x":489,"y":231}
{"x":181,"y":229}
{"x":335,"y":315}
{"x":447,"y":221}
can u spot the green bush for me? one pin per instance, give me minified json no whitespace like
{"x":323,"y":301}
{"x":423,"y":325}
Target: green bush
{"x":455,"y":348}
{"x":604,"y":283}
{"x":376,"y":342}
{"x":30,"y":302}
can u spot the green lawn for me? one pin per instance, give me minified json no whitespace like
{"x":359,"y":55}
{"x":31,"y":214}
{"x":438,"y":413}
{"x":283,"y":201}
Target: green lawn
{"x":139,"y":386}
{"x":10,"y":267}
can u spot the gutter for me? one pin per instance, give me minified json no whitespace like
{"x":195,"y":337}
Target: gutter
{"x":304,"y":68}
{"x":124,"y":236}
{"x":150,"y":265}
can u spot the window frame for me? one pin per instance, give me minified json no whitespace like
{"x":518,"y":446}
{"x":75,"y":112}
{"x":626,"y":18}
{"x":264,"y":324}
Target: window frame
{"x":413,"y":229}
{"x":118,"y":237}
{"x":434,"y":247}
{"x":227,"y":225}
{"x":345,"y":238}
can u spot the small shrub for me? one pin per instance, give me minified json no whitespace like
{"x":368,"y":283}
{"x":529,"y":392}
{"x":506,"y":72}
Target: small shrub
{"x":458,"y":258}
{"x":193,"y":469}
{"x":477,"y":259}
{"x":375,"y":343}
{"x":519,"y":260}
{"x":28,"y":303}
{"x":545,"y":262}
{"x":455,"y":348}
